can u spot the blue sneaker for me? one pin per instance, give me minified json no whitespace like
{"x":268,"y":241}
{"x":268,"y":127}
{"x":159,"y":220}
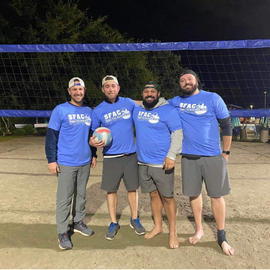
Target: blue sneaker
{"x":112,"y":231}
{"x":137,"y":226}
{"x":64,"y":242}
{"x":81,"y":228}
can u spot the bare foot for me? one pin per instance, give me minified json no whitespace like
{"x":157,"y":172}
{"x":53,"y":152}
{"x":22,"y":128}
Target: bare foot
{"x":227,"y":249}
{"x":196,"y":237}
{"x":174,"y":243}
{"x":153,"y":233}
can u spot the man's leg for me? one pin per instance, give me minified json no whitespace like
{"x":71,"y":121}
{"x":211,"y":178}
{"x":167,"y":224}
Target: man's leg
{"x":79,"y":197}
{"x":133,"y":203}
{"x":65,"y":189}
{"x":156,"y":206}
{"x":170,"y":209}
{"x":196,"y":206}
{"x":219,"y":210}
{"x":112,"y":205}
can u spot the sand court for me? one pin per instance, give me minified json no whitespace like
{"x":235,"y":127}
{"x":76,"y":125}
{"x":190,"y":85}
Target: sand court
{"x":28,"y":237}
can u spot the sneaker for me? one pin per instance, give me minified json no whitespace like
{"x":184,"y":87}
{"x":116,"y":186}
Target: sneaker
{"x":137,"y":226}
{"x":112,"y":231}
{"x":81,"y":228}
{"x":64,"y":242}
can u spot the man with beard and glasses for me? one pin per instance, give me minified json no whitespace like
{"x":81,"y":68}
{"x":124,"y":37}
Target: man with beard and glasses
{"x":159,"y":141}
{"x":202,"y":113}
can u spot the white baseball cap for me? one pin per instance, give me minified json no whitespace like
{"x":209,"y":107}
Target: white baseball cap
{"x":109,"y":78}
{"x":73,"y":83}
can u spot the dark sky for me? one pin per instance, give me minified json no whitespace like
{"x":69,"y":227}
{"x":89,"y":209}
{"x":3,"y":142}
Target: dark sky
{"x":178,"y":20}
{"x":199,"y":20}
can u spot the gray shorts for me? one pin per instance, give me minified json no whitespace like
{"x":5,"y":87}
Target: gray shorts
{"x":214,"y":172}
{"x":152,"y":178}
{"x":117,"y":168}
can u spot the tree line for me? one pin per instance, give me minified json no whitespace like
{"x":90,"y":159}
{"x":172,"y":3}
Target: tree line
{"x":39,"y":80}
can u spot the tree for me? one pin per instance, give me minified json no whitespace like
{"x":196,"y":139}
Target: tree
{"x":39,"y":80}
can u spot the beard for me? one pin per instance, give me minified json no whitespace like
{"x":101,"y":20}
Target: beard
{"x":150,"y":105}
{"x":190,"y":91}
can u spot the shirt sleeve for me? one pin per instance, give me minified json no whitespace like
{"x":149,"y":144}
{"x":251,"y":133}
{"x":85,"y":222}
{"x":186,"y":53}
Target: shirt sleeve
{"x":95,"y":120}
{"x":221,"y":110}
{"x":51,"y":145}
{"x":176,"y":144}
{"x":174,"y":121}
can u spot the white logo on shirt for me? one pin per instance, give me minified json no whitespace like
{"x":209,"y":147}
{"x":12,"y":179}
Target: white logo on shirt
{"x":117,"y":115}
{"x":199,"y":108}
{"x":76,"y":119}
{"x":153,"y":118}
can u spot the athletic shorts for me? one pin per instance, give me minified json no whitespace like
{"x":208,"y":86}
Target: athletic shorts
{"x":123,"y":167}
{"x":152,"y":178}
{"x":212,"y":170}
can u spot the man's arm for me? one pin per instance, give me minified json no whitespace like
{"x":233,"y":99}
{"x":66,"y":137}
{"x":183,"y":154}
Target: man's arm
{"x":51,"y":150}
{"x":226,"y":127}
{"x":175,"y":149}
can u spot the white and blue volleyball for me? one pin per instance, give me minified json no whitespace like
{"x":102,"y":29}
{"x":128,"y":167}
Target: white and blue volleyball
{"x":104,"y":134}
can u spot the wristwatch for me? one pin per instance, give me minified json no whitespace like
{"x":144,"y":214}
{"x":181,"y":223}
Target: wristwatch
{"x":226,"y":152}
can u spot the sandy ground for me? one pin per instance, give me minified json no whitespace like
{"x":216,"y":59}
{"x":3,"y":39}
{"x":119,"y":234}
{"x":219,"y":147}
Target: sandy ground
{"x":28,"y":237}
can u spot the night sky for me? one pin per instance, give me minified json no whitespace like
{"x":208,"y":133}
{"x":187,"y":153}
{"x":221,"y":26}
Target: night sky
{"x":178,"y":20}
{"x":199,"y":20}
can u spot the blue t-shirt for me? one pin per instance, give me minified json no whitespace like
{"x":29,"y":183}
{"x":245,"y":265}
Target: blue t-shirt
{"x":153,"y":132}
{"x":118,"y":118}
{"x":73,"y":124}
{"x":199,"y":114}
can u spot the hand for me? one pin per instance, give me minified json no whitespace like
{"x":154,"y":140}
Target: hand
{"x":53,"y":168}
{"x":226,"y":157}
{"x":93,"y":162}
{"x":97,"y":144}
{"x":168,"y":164}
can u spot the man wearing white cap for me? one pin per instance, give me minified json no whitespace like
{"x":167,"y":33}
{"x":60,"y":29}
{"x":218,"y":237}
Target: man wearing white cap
{"x":70,"y":158}
{"x":120,"y":157}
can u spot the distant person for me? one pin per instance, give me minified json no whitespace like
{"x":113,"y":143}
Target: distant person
{"x":202,"y":113}
{"x":70,"y":158}
{"x":159,"y":141}
{"x":120,"y":157}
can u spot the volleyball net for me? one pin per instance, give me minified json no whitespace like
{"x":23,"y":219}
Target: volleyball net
{"x":34,"y":78}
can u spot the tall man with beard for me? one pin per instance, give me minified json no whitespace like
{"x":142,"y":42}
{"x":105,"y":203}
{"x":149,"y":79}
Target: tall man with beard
{"x":202,"y":113}
{"x":159,"y":141}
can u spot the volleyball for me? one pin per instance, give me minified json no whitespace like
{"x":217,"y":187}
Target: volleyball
{"x":104,"y":134}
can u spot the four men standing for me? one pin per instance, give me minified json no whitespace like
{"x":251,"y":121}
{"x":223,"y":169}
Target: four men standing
{"x":159,"y":125}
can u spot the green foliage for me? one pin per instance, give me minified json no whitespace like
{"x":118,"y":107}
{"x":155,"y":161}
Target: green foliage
{"x":41,"y":131}
{"x":29,"y":129}
{"x":38,"y":81}
{"x":19,"y":132}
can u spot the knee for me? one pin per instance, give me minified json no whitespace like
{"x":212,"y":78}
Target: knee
{"x":217,"y":199}
{"x":154,"y":194}
{"x":167,"y":200}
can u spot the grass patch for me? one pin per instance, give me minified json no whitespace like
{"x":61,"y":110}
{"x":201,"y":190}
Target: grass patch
{"x":9,"y":137}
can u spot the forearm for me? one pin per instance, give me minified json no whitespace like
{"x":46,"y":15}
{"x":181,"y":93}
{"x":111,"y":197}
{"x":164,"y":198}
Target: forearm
{"x":227,"y":140}
{"x":176,"y":144}
{"x":51,"y":145}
